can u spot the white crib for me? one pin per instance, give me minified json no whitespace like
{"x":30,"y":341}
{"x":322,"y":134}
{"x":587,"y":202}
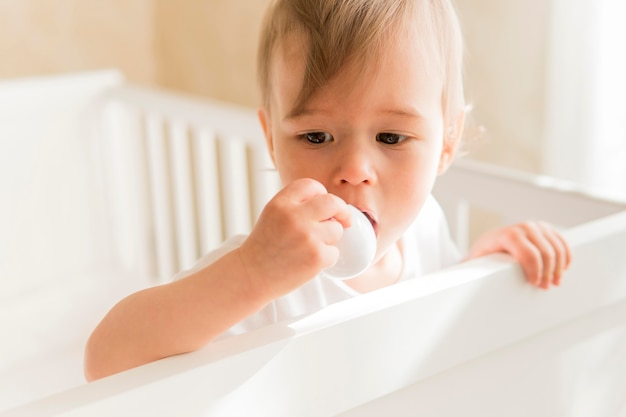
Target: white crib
{"x":107,"y":188}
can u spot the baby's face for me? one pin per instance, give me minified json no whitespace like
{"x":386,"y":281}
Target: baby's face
{"x":375,"y":140}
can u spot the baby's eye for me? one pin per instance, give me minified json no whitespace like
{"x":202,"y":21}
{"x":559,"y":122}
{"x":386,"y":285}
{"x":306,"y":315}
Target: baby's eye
{"x":318,"y":137}
{"x":390,"y":138}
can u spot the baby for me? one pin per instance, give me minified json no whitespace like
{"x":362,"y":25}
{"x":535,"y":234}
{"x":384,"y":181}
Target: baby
{"x":363,"y":105}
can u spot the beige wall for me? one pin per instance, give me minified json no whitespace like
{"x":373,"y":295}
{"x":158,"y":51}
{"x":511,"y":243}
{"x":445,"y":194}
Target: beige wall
{"x":506,"y":68}
{"x":207,"y":47}
{"x":40,"y":37}
{"x":204,"y":47}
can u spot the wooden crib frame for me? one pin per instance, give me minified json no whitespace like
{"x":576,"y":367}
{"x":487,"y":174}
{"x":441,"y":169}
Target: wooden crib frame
{"x":474,"y":339}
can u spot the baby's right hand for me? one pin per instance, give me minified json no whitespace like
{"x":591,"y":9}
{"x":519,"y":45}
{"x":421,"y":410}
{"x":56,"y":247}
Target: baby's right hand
{"x":294,"y":237}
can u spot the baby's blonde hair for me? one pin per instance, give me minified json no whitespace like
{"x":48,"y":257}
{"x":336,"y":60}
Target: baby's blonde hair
{"x":335,"y":32}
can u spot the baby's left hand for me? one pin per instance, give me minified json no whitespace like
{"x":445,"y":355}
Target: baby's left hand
{"x":539,"y":247}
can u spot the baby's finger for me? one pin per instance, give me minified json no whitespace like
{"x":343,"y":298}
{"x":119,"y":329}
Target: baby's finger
{"x":328,"y":206}
{"x":525,"y":251}
{"x":303,"y":189}
{"x":567,"y":250}
{"x":329,"y":255}
{"x":330,"y":231}
{"x":568,"y":258}
{"x":544,"y":244}
{"x":562,"y":251}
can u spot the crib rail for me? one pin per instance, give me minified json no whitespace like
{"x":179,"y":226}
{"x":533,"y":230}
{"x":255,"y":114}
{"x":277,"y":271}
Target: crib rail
{"x":473,"y":340}
{"x":182,"y":174}
{"x":513,"y":196}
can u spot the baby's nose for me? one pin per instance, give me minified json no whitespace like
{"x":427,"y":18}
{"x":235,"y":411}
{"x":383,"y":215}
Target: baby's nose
{"x":356,"y":165}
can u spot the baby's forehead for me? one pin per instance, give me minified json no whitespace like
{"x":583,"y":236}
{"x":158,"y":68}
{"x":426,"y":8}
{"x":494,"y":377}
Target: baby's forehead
{"x":292,"y":60}
{"x":389,"y":82}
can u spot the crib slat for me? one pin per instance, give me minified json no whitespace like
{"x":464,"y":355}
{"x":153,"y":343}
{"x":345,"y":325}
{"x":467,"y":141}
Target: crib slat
{"x":110,"y":158}
{"x":459,"y":223}
{"x":220,"y":192}
{"x":184,"y":205}
{"x":142,"y":219}
{"x":235,"y":186}
{"x":207,"y":189}
{"x":122,"y":186}
{"x":264,"y":179}
{"x":161,"y":201}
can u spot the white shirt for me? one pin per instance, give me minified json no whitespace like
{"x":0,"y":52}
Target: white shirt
{"x":426,"y":247}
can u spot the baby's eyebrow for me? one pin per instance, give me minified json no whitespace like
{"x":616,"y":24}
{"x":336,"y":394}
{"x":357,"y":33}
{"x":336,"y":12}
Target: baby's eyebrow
{"x":408,"y":112}
{"x":403,"y":112}
{"x":299,"y":112}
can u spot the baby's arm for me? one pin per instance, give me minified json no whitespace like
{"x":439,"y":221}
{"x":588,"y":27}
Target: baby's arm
{"x":173,"y":318}
{"x":539,"y":247}
{"x":290,"y":244}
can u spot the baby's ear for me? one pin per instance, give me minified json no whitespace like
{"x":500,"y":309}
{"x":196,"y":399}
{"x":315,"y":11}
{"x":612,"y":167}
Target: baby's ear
{"x":451,"y":140}
{"x":264,"y":120}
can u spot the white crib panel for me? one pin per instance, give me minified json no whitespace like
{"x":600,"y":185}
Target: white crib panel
{"x":425,"y":339}
{"x":207,"y":189}
{"x":574,"y":370}
{"x":50,"y":214}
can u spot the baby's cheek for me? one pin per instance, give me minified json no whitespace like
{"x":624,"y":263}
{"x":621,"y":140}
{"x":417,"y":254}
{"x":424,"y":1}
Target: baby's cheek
{"x":409,"y":207}
{"x":399,"y":220}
